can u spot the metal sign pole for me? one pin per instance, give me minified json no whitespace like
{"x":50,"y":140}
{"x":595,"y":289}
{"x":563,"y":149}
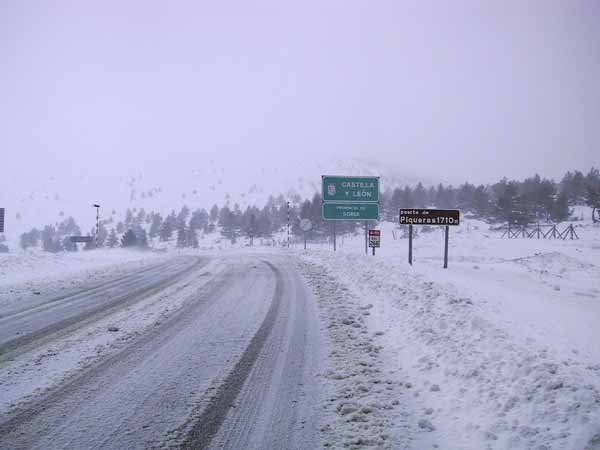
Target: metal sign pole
{"x":446,"y":247}
{"x":305,"y":240}
{"x":410,"y":244}
{"x":334,"y":243}
{"x":366,"y":237}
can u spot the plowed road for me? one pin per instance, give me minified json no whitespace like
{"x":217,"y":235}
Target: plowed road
{"x":233,"y":366}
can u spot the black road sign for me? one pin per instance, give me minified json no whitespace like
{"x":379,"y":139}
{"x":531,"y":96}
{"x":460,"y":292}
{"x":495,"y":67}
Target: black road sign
{"x":84,"y":239}
{"x":1,"y":220}
{"x":412,"y":216}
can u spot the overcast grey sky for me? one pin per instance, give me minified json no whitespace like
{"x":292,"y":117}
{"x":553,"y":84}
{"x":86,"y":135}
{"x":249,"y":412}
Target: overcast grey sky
{"x":478,"y":89}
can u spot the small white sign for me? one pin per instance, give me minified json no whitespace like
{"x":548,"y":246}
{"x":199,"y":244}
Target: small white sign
{"x":305,"y":225}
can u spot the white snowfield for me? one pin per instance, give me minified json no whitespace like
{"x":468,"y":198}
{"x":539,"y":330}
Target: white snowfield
{"x":499,"y":351}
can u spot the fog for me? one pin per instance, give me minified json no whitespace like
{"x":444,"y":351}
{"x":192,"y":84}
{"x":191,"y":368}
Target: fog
{"x":440,"y":90}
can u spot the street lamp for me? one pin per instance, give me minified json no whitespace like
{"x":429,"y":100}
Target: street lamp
{"x":97,"y":206}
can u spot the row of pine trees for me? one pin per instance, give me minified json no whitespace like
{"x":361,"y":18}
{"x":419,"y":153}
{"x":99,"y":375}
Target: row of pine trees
{"x":522,"y":202}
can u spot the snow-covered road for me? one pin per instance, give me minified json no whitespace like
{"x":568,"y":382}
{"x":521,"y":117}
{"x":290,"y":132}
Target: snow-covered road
{"x":219,"y":353}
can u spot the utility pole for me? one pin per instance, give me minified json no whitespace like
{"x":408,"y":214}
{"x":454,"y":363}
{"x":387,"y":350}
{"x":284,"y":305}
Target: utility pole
{"x":97,"y":206}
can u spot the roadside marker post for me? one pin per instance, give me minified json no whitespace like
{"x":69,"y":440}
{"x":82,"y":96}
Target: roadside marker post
{"x":2,"y":211}
{"x":97,"y":206}
{"x":444,"y":217}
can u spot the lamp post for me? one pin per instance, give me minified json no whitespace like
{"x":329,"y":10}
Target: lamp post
{"x":97,"y":206}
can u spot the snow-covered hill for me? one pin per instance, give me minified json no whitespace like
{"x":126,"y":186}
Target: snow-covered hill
{"x":34,"y":199}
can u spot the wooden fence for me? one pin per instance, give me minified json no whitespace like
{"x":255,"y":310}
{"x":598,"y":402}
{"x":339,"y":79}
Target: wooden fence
{"x":538,"y":231}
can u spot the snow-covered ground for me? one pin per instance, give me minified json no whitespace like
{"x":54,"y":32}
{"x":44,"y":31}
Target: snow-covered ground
{"x":499,"y":351}
{"x":25,"y":272}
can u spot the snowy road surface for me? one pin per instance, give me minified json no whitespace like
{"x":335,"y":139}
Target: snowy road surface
{"x":229,"y":362}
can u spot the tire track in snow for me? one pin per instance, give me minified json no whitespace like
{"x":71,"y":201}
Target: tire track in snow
{"x":76,"y":386}
{"x":12,"y":348}
{"x":208,"y":424}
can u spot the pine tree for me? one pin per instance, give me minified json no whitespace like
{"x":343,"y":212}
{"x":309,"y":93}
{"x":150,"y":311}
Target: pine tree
{"x":91,"y":244}
{"x":141,"y":216}
{"x":112,"y":240}
{"x":199,"y":220}
{"x":227,"y":223}
{"x":214,"y":214}
{"x":574,"y":186}
{"x":166,"y":231}
{"x":142,"y":237}
{"x":30,"y":239}
{"x":191,"y":238}
{"x":181,"y":236}
{"x":50,"y":241}
{"x":129,"y":218}
{"x":592,"y":199}
{"x":68,"y":245}
{"x":183,"y":215}
{"x":129,"y":239}
{"x":156,"y":225}
{"x":560,"y":209}
{"x":420,"y":196}
{"x":481,"y":201}
{"x":102,"y":234}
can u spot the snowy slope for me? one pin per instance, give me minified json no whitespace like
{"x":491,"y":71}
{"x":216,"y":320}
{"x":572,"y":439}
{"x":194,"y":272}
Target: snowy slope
{"x":48,"y":198}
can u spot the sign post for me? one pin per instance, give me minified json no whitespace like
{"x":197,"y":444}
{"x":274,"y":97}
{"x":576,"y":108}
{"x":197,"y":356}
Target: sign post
{"x":305,"y":226}
{"x":410,"y":244}
{"x":1,"y":220}
{"x":446,"y":246}
{"x":444,"y":217}
{"x":366,"y":238}
{"x":374,"y":239}
{"x":334,"y":242}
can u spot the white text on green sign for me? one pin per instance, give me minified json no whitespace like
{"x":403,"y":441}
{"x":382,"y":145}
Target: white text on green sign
{"x":350,"y":211}
{"x":357,"y":189}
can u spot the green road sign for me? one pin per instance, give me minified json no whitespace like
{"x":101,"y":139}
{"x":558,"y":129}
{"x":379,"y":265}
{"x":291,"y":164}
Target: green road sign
{"x":350,"y":211}
{"x":350,"y":189}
